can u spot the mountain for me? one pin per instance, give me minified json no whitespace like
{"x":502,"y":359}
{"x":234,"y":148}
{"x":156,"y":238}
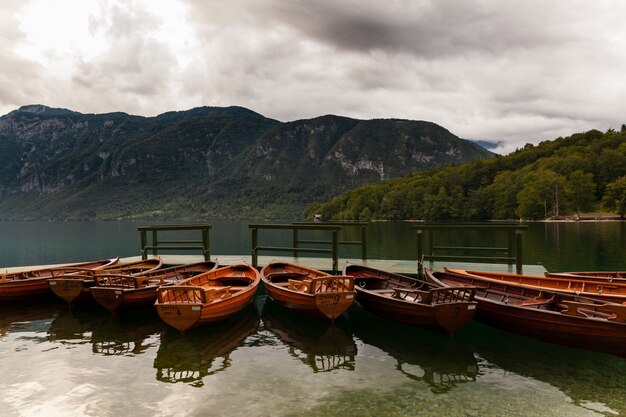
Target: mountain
{"x":202,"y":163}
{"x":575,"y":176}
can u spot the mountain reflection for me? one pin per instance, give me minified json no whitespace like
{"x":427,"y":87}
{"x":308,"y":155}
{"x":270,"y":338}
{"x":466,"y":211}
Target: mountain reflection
{"x":420,"y":355}
{"x":204,"y":351}
{"x":316,"y":342}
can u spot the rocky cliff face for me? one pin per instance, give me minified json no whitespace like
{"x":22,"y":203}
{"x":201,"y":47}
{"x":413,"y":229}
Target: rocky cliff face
{"x":222,"y":162}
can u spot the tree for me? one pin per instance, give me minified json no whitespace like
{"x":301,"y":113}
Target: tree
{"x":444,"y":206}
{"x":543,"y":188}
{"x":530,"y":203}
{"x":579,"y":191}
{"x":502,"y":193}
{"x":614,"y":198}
{"x":610,"y":165}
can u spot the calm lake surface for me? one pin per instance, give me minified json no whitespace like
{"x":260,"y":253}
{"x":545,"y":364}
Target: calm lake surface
{"x":56,"y":361}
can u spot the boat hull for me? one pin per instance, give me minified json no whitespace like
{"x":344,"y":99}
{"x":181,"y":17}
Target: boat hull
{"x":442,"y":318}
{"x":33,"y":283}
{"x":328,"y":306}
{"x":553,"y":317}
{"x":554,"y":327}
{"x":576,"y":286}
{"x":77,"y":287}
{"x":185,"y":316}
{"x":116,"y":299}
{"x":601,"y":276}
{"x":410,"y":301}
{"x":209,"y":297}
{"x":308,"y":291}
{"x":71,"y":289}
{"x":117,"y":293}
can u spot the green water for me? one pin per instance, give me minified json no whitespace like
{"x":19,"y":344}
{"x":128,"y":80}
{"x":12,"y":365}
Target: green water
{"x":268,"y":362}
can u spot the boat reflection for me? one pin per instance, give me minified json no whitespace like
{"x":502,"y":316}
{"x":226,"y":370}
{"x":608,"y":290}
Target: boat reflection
{"x":204,"y":351}
{"x":315,"y":342}
{"x":74,"y":326}
{"x":421,"y":355}
{"x":572,"y":371}
{"x":131,"y":334}
{"x":128,"y":335}
{"x":16,"y":318}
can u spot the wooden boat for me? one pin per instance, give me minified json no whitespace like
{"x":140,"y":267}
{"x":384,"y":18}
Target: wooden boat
{"x":411,"y":301}
{"x":117,"y":292}
{"x":602,"y":276}
{"x":29,"y":283}
{"x":208,"y":297}
{"x":76,"y":285}
{"x":308,"y":290}
{"x":579,"y":286}
{"x":551,"y":316}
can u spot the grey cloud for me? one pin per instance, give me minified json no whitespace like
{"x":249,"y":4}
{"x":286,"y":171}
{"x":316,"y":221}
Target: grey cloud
{"x":489,"y":69}
{"x":425,"y":28}
{"x":13,"y":90}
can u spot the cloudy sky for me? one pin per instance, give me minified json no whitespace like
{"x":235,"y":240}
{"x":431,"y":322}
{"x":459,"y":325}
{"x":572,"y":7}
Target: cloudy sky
{"x":498,"y":70}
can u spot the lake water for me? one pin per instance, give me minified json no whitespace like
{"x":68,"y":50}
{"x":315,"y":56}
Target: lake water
{"x":267,"y":362}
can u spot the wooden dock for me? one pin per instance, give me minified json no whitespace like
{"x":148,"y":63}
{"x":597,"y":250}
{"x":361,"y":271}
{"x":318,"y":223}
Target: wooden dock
{"x":437,"y":255}
{"x":488,"y":256}
{"x":399,"y":266}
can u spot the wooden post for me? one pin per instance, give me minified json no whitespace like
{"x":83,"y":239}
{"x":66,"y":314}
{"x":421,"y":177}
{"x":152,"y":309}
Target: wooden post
{"x":363,"y":243}
{"x":295,"y":242}
{"x":511,"y":238}
{"x":431,"y":244}
{"x":518,"y":256}
{"x":154,"y":241}
{"x":334,"y":252}
{"x":144,"y":243}
{"x":255,"y":238}
{"x":206,"y":248}
{"x":420,"y":253}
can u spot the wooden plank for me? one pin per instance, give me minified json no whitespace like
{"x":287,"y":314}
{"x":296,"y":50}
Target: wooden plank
{"x":400,"y":266}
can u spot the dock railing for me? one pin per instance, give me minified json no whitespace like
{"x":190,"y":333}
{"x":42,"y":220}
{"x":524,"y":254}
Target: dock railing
{"x":295,"y":248}
{"x":511,"y":254}
{"x":201,"y":244}
{"x":344,"y":227}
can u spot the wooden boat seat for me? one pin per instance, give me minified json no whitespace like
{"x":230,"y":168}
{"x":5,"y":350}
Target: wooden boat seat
{"x":193,"y":294}
{"x":210,"y":292}
{"x":503,"y":296}
{"x":146,"y":281}
{"x":299,"y":285}
{"x":284,"y":276}
{"x":533,"y":302}
{"x":235,"y":280}
{"x":612,"y":312}
{"x":383,"y":291}
{"x":403,"y":293}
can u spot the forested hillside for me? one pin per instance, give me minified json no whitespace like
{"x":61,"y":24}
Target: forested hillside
{"x":566,"y":176}
{"x":203,"y":163}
